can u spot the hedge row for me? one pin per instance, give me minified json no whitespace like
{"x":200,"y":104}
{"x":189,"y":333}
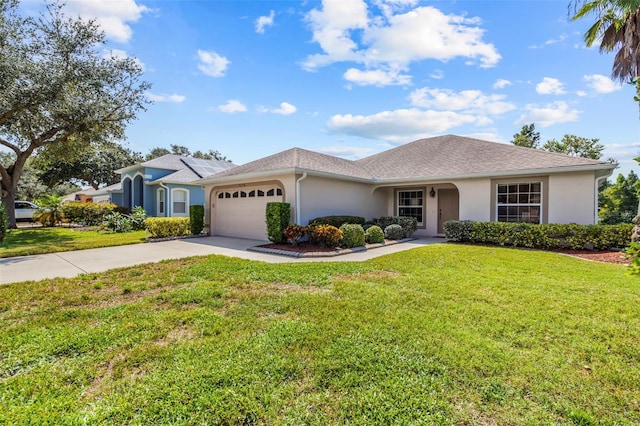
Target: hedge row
{"x":547,"y":236}
{"x":337,"y":221}
{"x":167,"y":227}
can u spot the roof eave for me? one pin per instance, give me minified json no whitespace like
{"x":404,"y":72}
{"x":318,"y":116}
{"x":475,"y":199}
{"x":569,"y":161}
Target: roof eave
{"x":290,"y":170}
{"x":504,"y":173}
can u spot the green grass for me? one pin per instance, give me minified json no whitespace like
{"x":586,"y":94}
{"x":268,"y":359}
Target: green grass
{"x":445,"y":334}
{"x":27,"y":241}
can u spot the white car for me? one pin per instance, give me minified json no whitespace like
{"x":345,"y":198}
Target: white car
{"x":25,"y":210}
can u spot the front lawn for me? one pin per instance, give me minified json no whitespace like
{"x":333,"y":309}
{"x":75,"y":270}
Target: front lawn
{"x":26,"y":241}
{"x":443,"y":334}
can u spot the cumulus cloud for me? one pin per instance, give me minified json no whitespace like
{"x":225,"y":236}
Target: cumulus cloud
{"x":547,"y":115}
{"x":212,"y":64}
{"x":467,"y":100}
{"x":285,"y":109}
{"x":550,"y":86}
{"x":264,"y":22}
{"x":112,"y":16}
{"x":377,"y":77}
{"x":399,"y":125}
{"x":232,"y":106}
{"x":174,"y":98}
{"x":501,"y":83}
{"x":601,"y":84}
{"x":346,"y":32}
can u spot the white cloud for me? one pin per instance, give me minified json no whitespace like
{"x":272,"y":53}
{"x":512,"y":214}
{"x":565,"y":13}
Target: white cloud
{"x":550,"y":86}
{"x":561,"y":38}
{"x":264,"y":21}
{"x":346,"y":33}
{"x":437,"y":74}
{"x":601,"y":84}
{"x":581,"y":93}
{"x":350,"y":152}
{"x":121,"y":54}
{"x":232,"y":106}
{"x":212,"y":64}
{"x":399,"y":125}
{"x":377,"y":77}
{"x":285,"y":109}
{"x":467,"y":100}
{"x":174,"y":98}
{"x":112,"y":16}
{"x":501,"y":83}
{"x":547,"y":115}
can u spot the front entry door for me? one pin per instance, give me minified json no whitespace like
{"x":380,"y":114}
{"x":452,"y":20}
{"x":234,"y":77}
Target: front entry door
{"x":448,"y":201}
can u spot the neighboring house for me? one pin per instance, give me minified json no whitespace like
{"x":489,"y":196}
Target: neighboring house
{"x":165,"y":185}
{"x":434,"y":180}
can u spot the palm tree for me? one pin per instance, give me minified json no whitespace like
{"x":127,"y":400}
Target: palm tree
{"x":617,"y":27}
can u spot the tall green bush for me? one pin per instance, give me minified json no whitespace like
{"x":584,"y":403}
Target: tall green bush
{"x":196,"y":219}
{"x":277,"y":217}
{"x":90,"y":214}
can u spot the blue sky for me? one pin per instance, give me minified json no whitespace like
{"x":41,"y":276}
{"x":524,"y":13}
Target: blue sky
{"x":354,"y":77}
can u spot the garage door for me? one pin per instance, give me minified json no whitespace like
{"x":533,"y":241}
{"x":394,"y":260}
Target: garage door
{"x":241,"y":213}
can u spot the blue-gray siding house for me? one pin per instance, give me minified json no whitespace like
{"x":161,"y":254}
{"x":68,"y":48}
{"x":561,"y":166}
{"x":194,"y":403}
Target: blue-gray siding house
{"x":164,"y":186}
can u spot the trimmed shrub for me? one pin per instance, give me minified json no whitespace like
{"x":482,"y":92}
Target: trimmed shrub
{"x":374,"y":235}
{"x":295,"y":233}
{"x":90,"y":214}
{"x":277,"y":217}
{"x":408,"y":224}
{"x":593,"y":237}
{"x":352,"y":235}
{"x":196,"y":219}
{"x":394,"y":232}
{"x":337,"y":221}
{"x":325,"y":235}
{"x":167,"y":227}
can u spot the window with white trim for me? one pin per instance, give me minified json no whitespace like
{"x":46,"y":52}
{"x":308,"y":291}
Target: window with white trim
{"x":161,"y":202}
{"x":179,"y":202}
{"x":519,"y":202}
{"x":411,"y":204}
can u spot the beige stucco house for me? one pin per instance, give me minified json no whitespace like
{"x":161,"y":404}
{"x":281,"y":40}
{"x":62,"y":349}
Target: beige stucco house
{"x":434,"y":180}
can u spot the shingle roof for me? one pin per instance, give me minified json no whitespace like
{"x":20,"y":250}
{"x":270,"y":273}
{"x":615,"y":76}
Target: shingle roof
{"x":181,"y":176}
{"x":187,"y":169}
{"x":452,"y":155}
{"x":442,"y":156}
{"x":300,"y":160}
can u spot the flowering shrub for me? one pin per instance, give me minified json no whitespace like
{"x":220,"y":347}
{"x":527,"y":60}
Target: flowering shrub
{"x":325,"y":235}
{"x":295,"y":233}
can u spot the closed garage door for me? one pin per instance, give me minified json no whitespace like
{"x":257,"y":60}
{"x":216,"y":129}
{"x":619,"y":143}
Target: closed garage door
{"x":241,"y":212}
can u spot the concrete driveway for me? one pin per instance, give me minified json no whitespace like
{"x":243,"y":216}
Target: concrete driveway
{"x":72,"y":263}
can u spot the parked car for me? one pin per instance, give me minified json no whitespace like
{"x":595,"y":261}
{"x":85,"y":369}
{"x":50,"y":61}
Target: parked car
{"x":25,"y":210}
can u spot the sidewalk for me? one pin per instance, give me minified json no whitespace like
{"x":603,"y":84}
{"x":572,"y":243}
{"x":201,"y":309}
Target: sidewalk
{"x":72,"y":263}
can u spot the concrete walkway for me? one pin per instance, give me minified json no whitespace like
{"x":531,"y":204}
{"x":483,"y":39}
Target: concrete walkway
{"x":72,"y":263}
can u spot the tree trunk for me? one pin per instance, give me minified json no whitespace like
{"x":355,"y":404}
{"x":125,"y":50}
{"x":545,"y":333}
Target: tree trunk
{"x":8,"y":199}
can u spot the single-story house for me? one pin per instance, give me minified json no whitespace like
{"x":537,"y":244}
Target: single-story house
{"x":164,"y":186}
{"x":434,"y":180}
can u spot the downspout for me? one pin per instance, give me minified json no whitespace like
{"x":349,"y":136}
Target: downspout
{"x":597,"y":192}
{"x":303,"y":177}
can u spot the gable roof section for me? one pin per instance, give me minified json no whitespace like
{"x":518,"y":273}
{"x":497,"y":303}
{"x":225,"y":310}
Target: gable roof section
{"x":457,"y":156}
{"x":186,"y":169}
{"x":441,"y":157}
{"x":297,"y":160}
